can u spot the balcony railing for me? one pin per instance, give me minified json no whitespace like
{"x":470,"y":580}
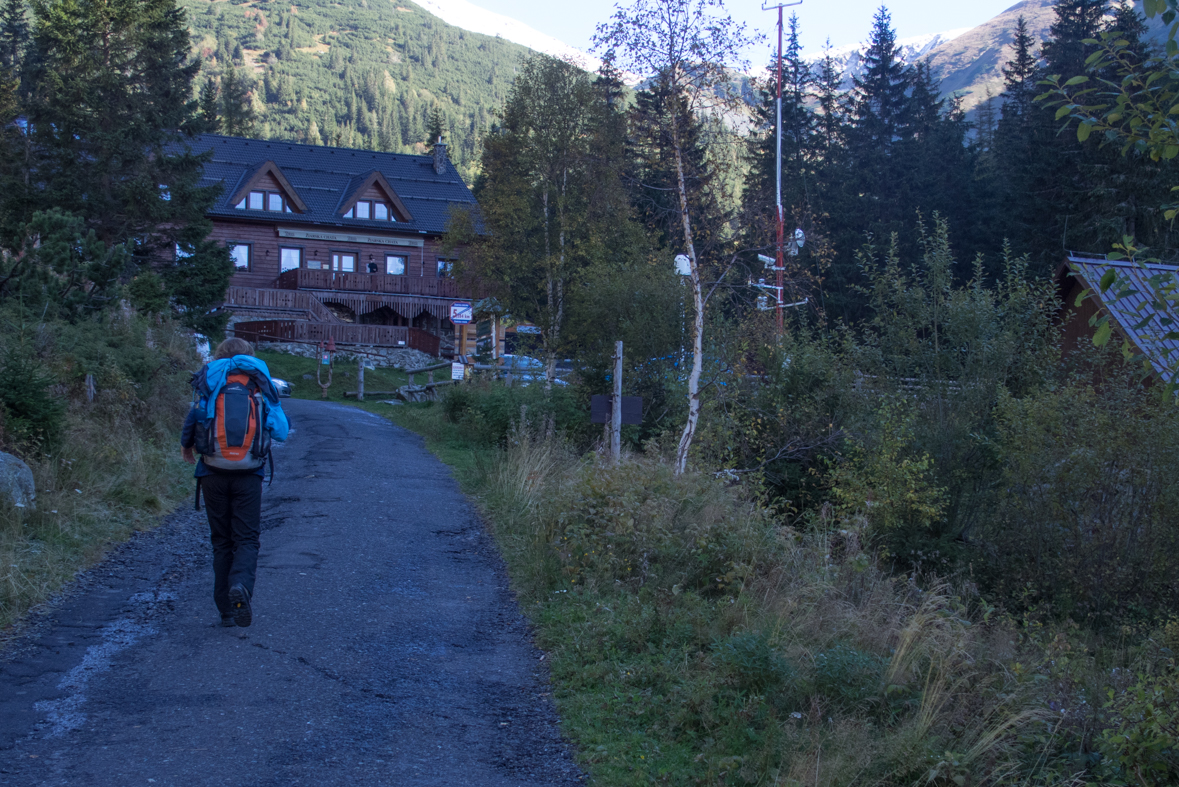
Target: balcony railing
{"x":305,"y":279}
{"x":342,"y":333}
{"x":279,"y":300}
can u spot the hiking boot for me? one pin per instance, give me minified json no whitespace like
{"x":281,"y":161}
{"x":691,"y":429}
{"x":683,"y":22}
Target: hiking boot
{"x":227,"y":621}
{"x":239,"y":602}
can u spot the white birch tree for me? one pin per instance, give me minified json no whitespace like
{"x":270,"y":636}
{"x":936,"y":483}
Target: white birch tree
{"x":691,"y":45}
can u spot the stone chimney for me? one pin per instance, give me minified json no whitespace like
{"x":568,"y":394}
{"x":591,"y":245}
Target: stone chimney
{"x":440,"y":156}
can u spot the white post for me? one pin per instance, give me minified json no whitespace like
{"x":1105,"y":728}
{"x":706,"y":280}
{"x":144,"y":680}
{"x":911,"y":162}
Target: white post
{"x":616,"y":406}
{"x":360,"y":380}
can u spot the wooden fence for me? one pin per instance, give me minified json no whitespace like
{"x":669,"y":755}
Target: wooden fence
{"x":341,"y":333}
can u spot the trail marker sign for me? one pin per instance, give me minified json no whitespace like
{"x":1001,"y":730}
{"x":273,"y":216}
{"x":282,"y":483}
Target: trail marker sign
{"x":600,"y":409}
{"x":460,"y":313}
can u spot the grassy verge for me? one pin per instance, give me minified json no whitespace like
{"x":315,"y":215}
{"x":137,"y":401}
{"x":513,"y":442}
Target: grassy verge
{"x":695,"y":640}
{"x":113,"y":465}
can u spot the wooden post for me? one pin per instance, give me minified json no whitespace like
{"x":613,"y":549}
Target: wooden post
{"x":616,"y":406}
{"x":360,"y":380}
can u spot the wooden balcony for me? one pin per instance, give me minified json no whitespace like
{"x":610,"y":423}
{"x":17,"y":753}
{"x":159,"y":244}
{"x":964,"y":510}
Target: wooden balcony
{"x":341,"y":333}
{"x":305,"y":279}
{"x":278,"y":300}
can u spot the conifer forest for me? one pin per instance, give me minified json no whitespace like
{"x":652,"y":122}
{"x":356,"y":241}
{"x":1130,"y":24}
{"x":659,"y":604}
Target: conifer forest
{"x":910,"y":536}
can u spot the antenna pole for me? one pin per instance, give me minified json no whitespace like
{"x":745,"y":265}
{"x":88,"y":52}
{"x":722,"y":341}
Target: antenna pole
{"x":780,"y":263}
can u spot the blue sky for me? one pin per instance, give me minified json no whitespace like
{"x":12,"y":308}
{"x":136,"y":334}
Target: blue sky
{"x":841,"y":21}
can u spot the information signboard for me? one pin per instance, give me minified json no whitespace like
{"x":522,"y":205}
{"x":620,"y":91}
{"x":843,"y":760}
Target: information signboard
{"x":460,"y":313}
{"x":632,"y":409}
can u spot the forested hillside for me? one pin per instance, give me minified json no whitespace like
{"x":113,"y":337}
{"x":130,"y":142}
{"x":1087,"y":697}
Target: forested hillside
{"x":361,"y":73}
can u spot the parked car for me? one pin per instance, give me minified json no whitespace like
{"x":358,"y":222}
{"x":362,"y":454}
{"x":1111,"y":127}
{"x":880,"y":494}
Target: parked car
{"x":526,"y":369}
{"x":284,"y":388}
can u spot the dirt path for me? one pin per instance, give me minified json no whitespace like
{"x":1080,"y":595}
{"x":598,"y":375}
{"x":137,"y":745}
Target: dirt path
{"x":386,"y":647}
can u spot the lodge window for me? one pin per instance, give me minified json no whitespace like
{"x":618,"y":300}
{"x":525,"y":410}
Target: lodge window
{"x":395,"y":265}
{"x":240,"y":252}
{"x":290,"y":258}
{"x":370,"y":209}
{"x":182,"y":253}
{"x":273,"y":201}
{"x":344,"y":261}
{"x":445,"y":268}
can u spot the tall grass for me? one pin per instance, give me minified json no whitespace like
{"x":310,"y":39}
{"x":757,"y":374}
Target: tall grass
{"x":116,"y":466}
{"x":696,"y":640}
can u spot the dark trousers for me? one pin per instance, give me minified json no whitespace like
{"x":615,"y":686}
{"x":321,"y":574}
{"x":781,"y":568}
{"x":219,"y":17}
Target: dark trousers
{"x":233,"y":503}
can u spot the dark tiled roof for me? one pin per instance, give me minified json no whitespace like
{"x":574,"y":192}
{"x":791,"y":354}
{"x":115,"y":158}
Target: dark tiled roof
{"x":1130,"y":313}
{"x":323,"y":176}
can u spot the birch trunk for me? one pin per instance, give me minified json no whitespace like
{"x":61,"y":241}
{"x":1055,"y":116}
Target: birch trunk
{"x":681,"y":458}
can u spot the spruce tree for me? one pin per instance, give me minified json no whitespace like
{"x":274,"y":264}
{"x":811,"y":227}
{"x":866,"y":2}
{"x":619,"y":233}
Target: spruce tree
{"x":868,"y":182}
{"x":237,"y":106}
{"x":208,"y":104}
{"x":879,"y":101}
{"x":110,"y":110}
{"x":1019,"y":74}
{"x":831,"y":120}
{"x":1076,"y":22}
{"x":1022,"y":134}
{"x":436,"y":131}
{"x":14,"y":34}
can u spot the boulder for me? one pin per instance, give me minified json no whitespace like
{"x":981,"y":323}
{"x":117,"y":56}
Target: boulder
{"x":16,"y":481}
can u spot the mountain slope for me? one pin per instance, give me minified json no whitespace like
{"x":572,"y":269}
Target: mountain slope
{"x":358,"y":73}
{"x":469,"y":16}
{"x":849,"y":60}
{"x":972,"y":63}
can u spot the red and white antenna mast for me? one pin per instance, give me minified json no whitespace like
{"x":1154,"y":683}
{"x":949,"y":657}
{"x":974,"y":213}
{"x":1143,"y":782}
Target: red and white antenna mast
{"x":780,"y":262}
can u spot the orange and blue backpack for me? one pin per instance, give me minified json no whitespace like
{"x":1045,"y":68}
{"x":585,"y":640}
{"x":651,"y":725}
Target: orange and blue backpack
{"x":239,"y":410}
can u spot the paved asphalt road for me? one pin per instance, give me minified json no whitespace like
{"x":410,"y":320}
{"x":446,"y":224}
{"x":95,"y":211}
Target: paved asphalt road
{"x":386,"y":647}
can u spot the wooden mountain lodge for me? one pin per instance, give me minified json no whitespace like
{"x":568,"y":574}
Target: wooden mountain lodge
{"x":338,"y":243}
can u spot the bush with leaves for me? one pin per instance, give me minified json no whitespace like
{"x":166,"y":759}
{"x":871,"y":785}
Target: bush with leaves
{"x":31,"y":417}
{"x":493,"y":412}
{"x":640,"y":524}
{"x":1141,"y":745}
{"x":887,"y":490}
{"x":951,"y":344}
{"x":1084,"y":518}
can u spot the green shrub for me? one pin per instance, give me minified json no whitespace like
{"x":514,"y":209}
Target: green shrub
{"x":1141,"y":747}
{"x":846,"y":676}
{"x":31,"y":417}
{"x":639,"y":523}
{"x":115,"y":465}
{"x":753,"y":662}
{"x":1084,"y":521}
{"x":493,"y":412}
{"x":889,"y":486}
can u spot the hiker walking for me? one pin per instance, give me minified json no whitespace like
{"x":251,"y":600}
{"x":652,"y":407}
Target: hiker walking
{"x":235,"y":414}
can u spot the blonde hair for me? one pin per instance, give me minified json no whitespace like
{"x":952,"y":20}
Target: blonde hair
{"x":232,"y":347}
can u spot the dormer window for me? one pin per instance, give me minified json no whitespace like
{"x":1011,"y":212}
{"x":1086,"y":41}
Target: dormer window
{"x":265,"y":200}
{"x":370,"y":209}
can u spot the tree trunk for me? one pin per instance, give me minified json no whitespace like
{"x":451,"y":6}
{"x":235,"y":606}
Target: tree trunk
{"x":681,"y":458}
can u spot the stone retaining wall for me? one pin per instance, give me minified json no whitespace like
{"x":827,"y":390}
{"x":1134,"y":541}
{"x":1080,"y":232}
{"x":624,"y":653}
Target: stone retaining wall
{"x":395,"y":357}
